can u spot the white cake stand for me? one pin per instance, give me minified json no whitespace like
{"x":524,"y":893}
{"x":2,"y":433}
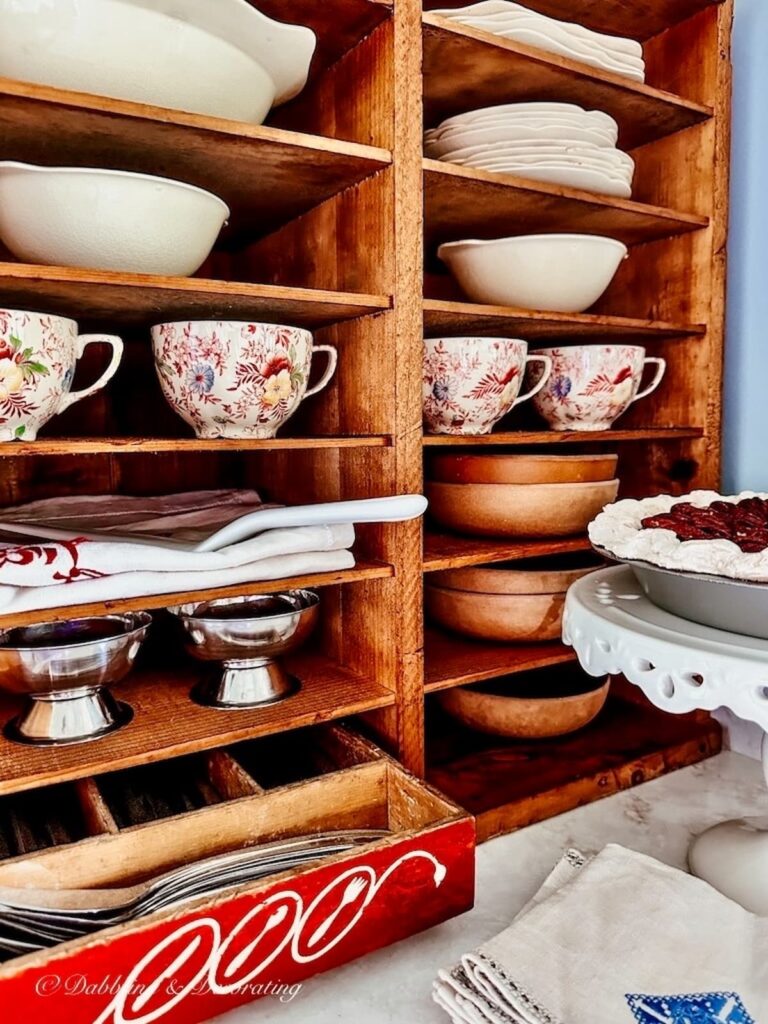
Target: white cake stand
{"x":681,"y":666}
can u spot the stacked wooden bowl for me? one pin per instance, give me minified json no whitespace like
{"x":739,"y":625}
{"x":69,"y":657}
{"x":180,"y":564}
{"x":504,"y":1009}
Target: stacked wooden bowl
{"x":520,"y":495}
{"x":512,"y":602}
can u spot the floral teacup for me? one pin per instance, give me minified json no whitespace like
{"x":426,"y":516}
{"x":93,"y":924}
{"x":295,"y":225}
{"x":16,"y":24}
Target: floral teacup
{"x":471,"y":383}
{"x":592,"y":385}
{"x":234,"y":378}
{"x":38,"y":356}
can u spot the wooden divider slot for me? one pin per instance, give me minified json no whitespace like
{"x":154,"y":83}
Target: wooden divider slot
{"x":98,"y":817}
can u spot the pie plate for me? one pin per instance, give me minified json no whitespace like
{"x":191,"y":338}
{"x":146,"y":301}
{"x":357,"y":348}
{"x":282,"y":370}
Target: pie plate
{"x":737,"y":606}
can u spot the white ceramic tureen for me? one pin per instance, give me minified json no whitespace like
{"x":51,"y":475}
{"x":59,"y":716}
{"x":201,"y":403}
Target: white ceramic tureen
{"x":218,"y":57}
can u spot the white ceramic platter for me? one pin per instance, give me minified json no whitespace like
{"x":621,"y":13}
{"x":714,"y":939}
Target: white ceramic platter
{"x":538,"y":38}
{"x":561,"y":33}
{"x":584,"y":178}
{"x":619,"y":43}
{"x":514,"y":133}
{"x":537,"y":112}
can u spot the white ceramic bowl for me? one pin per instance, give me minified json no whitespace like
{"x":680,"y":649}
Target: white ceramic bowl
{"x":561,"y":273}
{"x":223,"y":58}
{"x":107,"y":220}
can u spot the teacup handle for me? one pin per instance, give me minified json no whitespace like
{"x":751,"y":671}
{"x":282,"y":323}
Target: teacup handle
{"x":658,"y":377}
{"x":117,"y":354}
{"x":333,"y":359}
{"x":547,"y":360}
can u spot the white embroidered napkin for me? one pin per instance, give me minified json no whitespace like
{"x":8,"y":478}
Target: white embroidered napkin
{"x":617,"y":939}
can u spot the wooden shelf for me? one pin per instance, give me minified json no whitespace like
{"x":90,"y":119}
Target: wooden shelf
{"x":510,"y":784}
{"x":616,"y":17}
{"x":443,"y":317}
{"x":143,"y":300}
{"x":167,"y":722}
{"x":463,"y":202}
{"x":338,"y":24}
{"x":516,"y":438}
{"x":362,"y":571}
{"x":450,"y":551}
{"x":77,"y":446}
{"x":452,"y":660}
{"x":267,"y":176}
{"x":466,"y":68}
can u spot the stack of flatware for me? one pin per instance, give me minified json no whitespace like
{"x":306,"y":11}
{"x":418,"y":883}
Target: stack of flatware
{"x":34,"y":919}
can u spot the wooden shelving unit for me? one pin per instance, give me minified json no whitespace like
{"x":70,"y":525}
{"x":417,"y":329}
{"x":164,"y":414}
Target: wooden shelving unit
{"x":336,"y":217}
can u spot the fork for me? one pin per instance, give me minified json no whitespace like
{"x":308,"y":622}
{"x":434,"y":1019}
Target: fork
{"x":352,"y":891}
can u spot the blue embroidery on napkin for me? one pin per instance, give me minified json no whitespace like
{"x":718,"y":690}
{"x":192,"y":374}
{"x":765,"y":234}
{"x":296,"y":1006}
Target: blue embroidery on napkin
{"x":700,"y":1008}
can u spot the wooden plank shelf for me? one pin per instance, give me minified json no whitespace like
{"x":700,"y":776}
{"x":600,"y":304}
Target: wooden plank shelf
{"x":77,"y":446}
{"x":616,"y":17}
{"x":452,"y":660}
{"x":464,"y":202}
{"x":450,"y":551}
{"x":267,"y":176}
{"x":508,"y":784}
{"x":168,"y":723}
{"x":466,"y":68}
{"x":456,"y":318}
{"x":517,"y":438}
{"x":363,"y":571}
{"x":141,"y":300}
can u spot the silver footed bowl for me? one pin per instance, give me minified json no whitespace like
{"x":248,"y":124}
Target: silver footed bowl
{"x":64,"y":669}
{"x":246,"y":635}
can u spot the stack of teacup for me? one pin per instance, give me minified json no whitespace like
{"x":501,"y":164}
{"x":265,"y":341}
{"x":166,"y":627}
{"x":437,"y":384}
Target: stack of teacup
{"x":471,"y":383}
{"x":229,"y":379}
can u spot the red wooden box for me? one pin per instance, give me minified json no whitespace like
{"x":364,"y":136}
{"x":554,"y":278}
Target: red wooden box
{"x":210,"y":957}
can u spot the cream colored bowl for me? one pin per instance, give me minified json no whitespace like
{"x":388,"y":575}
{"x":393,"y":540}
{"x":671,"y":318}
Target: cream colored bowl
{"x":561,"y":273}
{"x":519,"y":510}
{"x":107,"y":220}
{"x":218,"y":57}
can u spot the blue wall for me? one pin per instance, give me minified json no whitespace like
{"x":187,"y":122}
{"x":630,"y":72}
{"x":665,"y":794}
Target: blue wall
{"x":746,"y":400}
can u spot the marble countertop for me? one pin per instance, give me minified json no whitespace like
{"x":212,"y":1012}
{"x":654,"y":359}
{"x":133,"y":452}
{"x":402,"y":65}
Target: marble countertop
{"x":659,"y":818}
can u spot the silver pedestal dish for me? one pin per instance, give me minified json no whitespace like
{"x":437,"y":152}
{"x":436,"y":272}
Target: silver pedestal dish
{"x":737,"y":606}
{"x":246,"y":635}
{"x":64,"y":669}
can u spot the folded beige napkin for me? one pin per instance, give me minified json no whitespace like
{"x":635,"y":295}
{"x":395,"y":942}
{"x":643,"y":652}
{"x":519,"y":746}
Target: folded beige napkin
{"x":618,"y":939}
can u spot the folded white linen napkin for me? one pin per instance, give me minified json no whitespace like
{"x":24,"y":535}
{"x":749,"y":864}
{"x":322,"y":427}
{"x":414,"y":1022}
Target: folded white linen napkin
{"x":45,"y":574}
{"x":618,"y":939}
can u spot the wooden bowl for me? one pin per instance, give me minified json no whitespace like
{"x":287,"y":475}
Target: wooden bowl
{"x":519,"y":510}
{"x":530,"y":706}
{"x":546,"y":575}
{"x":522,"y":469}
{"x":506,"y":618}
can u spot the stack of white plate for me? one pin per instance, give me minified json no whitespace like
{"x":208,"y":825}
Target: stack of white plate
{"x":513,"y":21}
{"x":558,"y":143}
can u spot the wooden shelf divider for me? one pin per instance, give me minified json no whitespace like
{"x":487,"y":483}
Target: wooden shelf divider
{"x":509,"y":784}
{"x":167,"y":723}
{"x":362,"y":572}
{"x":466,"y":68}
{"x":518,"y":438}
{"x":77,"y":446}
{"x":142,"y":300}
{"x":267,"y":176}
{"x":443,"y":317}
{"x":465,"y":202}
{"x":450,"y":551}
{"x":454,"y":660}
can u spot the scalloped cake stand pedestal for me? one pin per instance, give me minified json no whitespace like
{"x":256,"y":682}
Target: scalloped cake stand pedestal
{"x":681,"y":667}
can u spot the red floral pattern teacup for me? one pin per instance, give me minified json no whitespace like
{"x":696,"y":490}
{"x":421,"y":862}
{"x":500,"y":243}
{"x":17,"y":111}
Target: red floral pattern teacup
{"x":38,"y":356}
{"x":236,"y":379}
{"x":471,"y":383}
{"x":590,"y":386}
